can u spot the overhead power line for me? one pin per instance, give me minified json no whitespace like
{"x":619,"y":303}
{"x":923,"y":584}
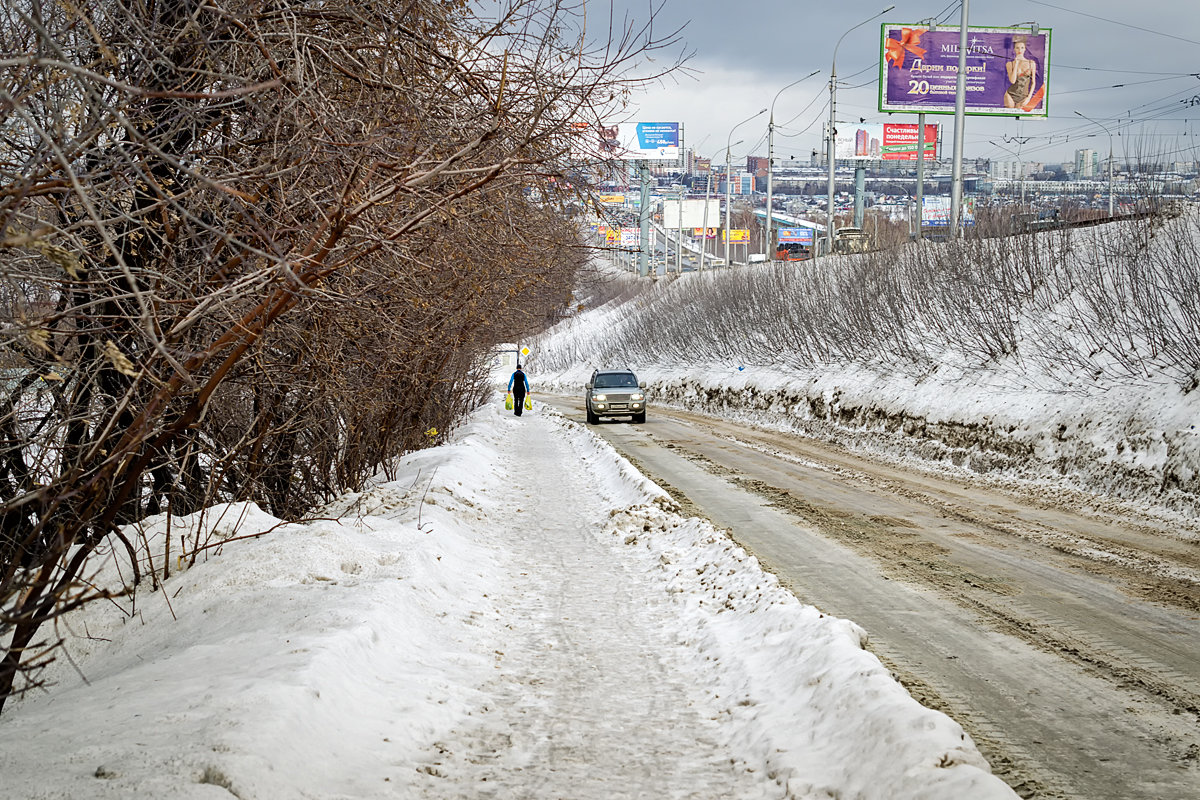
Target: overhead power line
{"x":1127,"y":71}
{"x":1113,"y":21}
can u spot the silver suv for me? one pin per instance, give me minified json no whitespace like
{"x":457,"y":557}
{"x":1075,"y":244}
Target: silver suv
{"x":615,"y":393}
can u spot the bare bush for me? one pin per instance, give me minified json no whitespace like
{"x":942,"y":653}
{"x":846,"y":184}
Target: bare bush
{"x":254,"y":250}
{"x":1138,"y":295}
{"x":1060,"y":306}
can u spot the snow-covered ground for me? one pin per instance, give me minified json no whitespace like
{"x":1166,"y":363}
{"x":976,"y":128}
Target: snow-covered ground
{"x":519,"y":614}
{"x":1132,"y":448}
{"x":1093,"y":391}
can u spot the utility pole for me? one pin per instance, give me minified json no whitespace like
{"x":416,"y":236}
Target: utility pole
{"x":704,"y":232}
{"x":833,"y":130}
{"x":768,"y":237}
{"x":920,"y":171}
{"x":729,"y":177}
{"x":644,"y":220}
{"x":769,"y":244}
{"x":679,"y":236}
{"x":1111,"y":204}
{"x":960,"y":118}
{"x":1020,"y":141}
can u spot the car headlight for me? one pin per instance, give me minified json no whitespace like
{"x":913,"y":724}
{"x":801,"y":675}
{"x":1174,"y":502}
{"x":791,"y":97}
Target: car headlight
{"x":599,"y":397}
{"x":636,"y":396}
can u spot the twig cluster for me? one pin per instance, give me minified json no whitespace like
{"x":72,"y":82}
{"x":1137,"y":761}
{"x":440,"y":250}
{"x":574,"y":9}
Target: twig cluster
{"x":1064,"y":308}
{"x":255,"y":250}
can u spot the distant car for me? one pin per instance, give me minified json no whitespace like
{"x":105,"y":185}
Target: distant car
{"x":615,"y":393}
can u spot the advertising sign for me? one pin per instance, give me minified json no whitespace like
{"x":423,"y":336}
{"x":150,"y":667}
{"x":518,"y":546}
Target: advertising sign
{"x":611,"y":199}
{"x":704,"y":233}
{"x":693,"y":213}
{"x":796,"y":236}
{"x":654,"y":141}
{"x":883,"y":141}
{"x":631,"y":237}
{"x":626,"y":141}
{"x":736,"y":235}
{"x":935,"y":211}
{"x":1007,"y":71}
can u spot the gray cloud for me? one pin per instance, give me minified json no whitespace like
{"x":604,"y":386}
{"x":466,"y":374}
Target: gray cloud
{"x":1125,"y":66}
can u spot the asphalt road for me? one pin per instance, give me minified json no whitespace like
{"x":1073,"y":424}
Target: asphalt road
{"x":1066,"y":641}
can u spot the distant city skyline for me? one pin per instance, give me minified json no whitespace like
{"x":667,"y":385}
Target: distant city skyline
{"x":1116,"y":72}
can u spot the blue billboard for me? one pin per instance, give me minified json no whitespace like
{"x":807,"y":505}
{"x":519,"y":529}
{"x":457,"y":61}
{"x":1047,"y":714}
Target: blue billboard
{"x":652,"y":141}
{"x":796,"y":236}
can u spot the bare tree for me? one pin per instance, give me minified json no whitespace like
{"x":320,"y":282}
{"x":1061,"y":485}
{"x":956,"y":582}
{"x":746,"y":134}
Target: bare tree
{"x":222,"y":222}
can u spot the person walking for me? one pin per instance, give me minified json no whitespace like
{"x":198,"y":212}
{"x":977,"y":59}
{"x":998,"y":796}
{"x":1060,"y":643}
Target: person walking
{"x":518,"y":384}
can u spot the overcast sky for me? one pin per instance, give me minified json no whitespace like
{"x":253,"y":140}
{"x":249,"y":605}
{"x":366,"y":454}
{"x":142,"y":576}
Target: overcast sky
{"x":1133,"y":67}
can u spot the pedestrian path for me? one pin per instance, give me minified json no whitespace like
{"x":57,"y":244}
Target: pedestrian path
{"x":592,"y":695}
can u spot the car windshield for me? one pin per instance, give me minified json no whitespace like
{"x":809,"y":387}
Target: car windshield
{"x":616,"y":382}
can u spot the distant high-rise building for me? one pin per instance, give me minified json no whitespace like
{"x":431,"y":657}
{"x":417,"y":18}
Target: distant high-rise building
{"x":862,"y":143}
{"x":1007,"y":170}
{"x":1087,"y":163}
{"x":740,"y":183}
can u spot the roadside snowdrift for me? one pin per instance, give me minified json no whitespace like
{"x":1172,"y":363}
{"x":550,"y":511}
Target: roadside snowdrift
{"x":1139,"y":446}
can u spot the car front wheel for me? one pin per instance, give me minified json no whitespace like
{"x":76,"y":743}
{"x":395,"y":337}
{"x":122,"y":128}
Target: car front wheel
{"x":592,"y":419}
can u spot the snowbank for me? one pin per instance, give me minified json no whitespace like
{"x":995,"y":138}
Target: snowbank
{"x":1138,"y":446}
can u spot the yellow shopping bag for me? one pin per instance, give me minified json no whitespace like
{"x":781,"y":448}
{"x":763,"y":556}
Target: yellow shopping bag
{"x":528,"y":403}
{"x":508,"y":402}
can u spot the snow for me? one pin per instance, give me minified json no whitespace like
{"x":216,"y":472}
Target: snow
{"x":1093,"y":393}
{"x":1132,"y":446}
{"x":519,"y":613}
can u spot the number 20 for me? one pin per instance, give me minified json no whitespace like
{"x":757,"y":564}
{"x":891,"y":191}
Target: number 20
{"x":918,"y":87}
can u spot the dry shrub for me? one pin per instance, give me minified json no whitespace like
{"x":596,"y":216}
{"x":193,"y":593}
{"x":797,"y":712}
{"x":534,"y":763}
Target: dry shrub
{"x":1116,"y":302}
{"x":256,"y":250}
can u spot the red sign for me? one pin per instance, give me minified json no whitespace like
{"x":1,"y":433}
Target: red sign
{"x":900,"y":142}
{"x":884,"y":141}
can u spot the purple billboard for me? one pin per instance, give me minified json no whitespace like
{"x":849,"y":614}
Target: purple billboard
{"x":1007,"y":71}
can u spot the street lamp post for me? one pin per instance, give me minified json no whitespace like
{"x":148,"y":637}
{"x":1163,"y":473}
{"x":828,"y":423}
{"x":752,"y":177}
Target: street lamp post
{"x":704,"y":235}
{"x":831,"y":132}
{"x":707,"y":202}
{"x":728,"y":175}
{"x":769,"y":235}
{"x":960,"y":120}
{"x":1111,"y":209}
